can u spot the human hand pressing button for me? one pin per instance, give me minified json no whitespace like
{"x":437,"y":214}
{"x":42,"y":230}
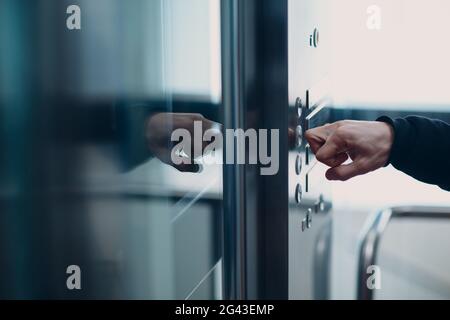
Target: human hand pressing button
{"x":368,"y":144}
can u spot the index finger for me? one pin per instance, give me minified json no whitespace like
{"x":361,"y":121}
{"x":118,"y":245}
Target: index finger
{"x":332,"y":150}
{"x":317,"y":137}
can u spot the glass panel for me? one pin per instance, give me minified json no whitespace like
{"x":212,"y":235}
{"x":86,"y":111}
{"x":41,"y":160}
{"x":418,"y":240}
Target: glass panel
{"x":86,"y":171}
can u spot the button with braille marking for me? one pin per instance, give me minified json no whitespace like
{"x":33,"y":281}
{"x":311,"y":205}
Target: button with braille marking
{"x":298,"y":193}
{"x":298,"y":165}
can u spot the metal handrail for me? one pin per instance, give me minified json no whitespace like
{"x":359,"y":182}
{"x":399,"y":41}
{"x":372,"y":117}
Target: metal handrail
{"x":373,"y":231}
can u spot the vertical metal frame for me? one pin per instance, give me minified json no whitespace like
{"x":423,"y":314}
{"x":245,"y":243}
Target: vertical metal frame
{"x":255,"y":95}
{"x":234,"y":184}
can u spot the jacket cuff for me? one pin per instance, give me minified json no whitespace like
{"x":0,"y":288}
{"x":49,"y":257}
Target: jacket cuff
{"x":403,"y":136}
{"x":400,"y":149}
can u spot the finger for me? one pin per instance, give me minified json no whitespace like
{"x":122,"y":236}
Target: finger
{"x":338,"y":160}
{"x":318,"y":136}
{"x":345,"y":172}
{"x":329,"y":153}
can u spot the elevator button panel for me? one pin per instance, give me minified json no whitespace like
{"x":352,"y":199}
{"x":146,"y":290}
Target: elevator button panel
{"x":309,"y":107}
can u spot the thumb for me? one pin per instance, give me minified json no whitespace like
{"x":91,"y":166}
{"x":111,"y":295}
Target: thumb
{"x":345,"y":172}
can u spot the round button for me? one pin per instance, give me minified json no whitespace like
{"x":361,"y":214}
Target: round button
{"x":321,"y":203}
{"x":298,"y":193}
{"x":309,"y":219}
{"x":299,"y":107}
{"x":316,"y":37}
{"x":299,"y":136}
{"x":298,"y":165}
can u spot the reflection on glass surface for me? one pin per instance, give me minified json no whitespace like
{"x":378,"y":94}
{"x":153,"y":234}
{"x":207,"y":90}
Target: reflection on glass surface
{"x":85,"y":180}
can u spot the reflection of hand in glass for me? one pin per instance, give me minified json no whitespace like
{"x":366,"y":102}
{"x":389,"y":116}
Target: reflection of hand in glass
{"x":159,"y":129}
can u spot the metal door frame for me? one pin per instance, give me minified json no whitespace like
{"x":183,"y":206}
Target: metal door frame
{"x":255,"y":95}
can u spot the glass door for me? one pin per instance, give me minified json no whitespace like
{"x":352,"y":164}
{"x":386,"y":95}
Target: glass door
{"x":92,"y":203}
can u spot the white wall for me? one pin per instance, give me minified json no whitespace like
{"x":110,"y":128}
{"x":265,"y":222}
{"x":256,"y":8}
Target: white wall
{"x":404,"y":63}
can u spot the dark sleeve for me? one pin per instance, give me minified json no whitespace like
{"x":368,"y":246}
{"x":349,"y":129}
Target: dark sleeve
{"x":421,"y":149}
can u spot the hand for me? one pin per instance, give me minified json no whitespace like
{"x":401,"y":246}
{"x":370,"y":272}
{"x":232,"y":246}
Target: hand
{"x":367,"y":144}
{"x":159,"y":129}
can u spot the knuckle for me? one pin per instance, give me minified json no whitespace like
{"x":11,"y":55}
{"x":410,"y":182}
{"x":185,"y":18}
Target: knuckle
{"x":320,"y":157}
{"x":341,"y":132}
